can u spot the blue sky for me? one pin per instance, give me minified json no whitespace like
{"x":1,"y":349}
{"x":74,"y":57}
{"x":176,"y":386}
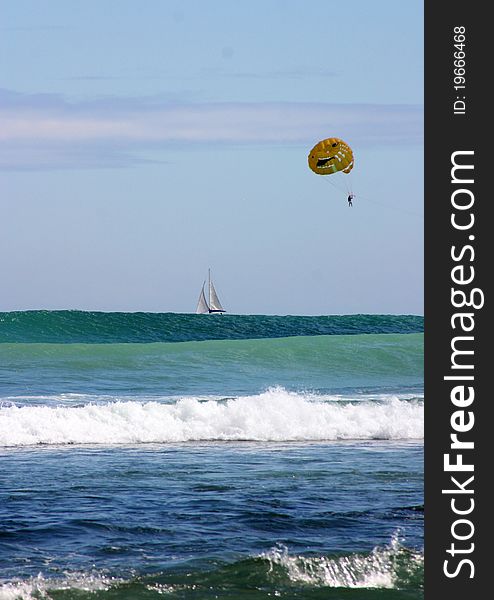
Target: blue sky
{"x":142,"y":142}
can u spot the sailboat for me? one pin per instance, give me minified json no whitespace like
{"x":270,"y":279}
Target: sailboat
{"x":214,"y":304}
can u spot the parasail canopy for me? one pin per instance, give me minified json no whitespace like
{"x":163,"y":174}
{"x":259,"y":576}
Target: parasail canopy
{"x":331,"y":156}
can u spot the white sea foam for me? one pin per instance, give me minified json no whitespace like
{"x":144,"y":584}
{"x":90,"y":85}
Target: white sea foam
{"x":275,"y":415}
{"x":40,"y":587}
{"x":384,"y":567}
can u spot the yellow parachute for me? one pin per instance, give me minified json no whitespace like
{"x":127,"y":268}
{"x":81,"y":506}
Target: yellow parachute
{"x":330,"y":156}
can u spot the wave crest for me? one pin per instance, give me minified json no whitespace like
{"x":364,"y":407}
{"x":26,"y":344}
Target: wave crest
{"x":275,"y":415}
{"x":391,"y":566}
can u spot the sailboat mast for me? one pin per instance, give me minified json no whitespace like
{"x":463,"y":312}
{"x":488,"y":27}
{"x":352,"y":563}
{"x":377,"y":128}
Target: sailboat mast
{"x":209,"y":287}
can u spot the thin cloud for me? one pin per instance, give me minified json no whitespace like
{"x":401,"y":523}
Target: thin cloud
{"x":212,"y":73}
{"x":35,"y":28}
{"x":301,"y":73}
{"x":47,"y":131}
{"x":294,"y":73}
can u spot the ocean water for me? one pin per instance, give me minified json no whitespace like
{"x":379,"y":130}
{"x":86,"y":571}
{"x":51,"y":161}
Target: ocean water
{"x":196,"y":456}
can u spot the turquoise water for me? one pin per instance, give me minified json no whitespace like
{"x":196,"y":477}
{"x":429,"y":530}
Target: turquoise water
{"x":71,"y":326}
{"x":335,"y":362}
{"x":210,"y":457}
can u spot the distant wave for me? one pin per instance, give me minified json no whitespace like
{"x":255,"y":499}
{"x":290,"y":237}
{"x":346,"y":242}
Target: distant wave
{"x":98,"y":327}
{"x":275,"y":415}
{"x":374,"y":354}
{"x":390,"y":362}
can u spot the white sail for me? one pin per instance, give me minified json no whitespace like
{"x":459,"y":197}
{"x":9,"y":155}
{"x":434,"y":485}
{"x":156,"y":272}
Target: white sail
{"x":214,"y":301}
{"x":202,"y":305}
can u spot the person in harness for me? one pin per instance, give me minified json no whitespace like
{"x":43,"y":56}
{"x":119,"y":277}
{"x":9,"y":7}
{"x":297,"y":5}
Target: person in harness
{"x":350,"y":198}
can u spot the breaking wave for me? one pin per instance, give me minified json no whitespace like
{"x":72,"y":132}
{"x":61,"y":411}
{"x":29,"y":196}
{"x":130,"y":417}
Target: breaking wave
{"x":274,"y":415}
{"x":392,"y":566}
